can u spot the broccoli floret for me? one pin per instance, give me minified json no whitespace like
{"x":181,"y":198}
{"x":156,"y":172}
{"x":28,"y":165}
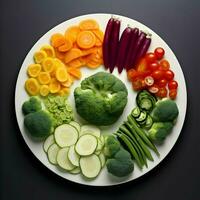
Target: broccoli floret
{"x":165,"y":110}
{"x":101,"y":98}
{"x":112,"y":146}
{"x":121,"y":164}
{"x":39,"y":124}
{"x":32,"y":105}
{"x":159,"y":131}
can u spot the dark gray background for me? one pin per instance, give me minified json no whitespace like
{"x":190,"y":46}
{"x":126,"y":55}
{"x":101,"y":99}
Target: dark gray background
{"x":23,"y":22}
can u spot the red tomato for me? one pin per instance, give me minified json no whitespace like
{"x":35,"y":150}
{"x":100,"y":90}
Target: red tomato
{"x":138,"y":84}
{"x":142,"y":65}
{"x":172,"y":85}
{"x":164,"y":64}
{"x":150,"y":57}
{"x":162,"y":92}
{"x":162,"y":82}
{"x":159,"y":52}
{"x":154,"y":66}
{"x":157,"y":74}
{"x":173,"y":93}
{"x":169,"y":75}
{"x":153,"y":89}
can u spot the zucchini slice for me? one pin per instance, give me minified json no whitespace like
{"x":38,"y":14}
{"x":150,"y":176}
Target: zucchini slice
{"x":90,"y":166}
{"x":48,"y":142}
{"x":76,"y":125}
{"x":73,"y":156}
{"x":102,"y":158}
{"x":86,"y":145}
{"x":90,"y":129}
{"x":66,"y":135}
{"x":76,"y":170}
{"x":52,"y":153}
{"x":63,"y":160}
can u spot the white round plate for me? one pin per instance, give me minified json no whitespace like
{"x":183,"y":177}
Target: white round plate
{"x":104,"y":179}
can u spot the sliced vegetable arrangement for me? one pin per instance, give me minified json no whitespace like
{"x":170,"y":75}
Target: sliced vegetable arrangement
{"x":100,"y":99}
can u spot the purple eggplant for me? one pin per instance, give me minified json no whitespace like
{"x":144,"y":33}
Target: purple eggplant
{"x":114,"y":44}
{"x":137,"y":47}
{"x":133,"y":39}
{"x":145,"y":46}
{"x":107,"y":41}
{"x":123,"y":48}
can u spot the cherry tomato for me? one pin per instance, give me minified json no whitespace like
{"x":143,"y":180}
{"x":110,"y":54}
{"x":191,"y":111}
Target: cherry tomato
{"x":138,"y":84}
{"x":159,"y":52}
{"x":164,"y":64}
{"x":172,"y":85}
{"x":149,"y":81}
{"x":173,"y":93}
{"x":169,"y":75}
{"x":162,"y":92}
{"x":142,"y":65}
{"x":153,"y":89}
{"x":150,"y":57}
{"x":162,"y":82}
{"x":157,"y":74}
{"x":154,"y":66}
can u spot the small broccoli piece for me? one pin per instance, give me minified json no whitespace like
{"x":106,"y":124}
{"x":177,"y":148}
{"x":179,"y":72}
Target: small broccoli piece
{"x":32,"y":105}
{"x":165,"y":110}
{"x":159,"y":131}
{"x":101,"y":98}
{"x":39,"y":124}
{"x":112,"y":146}
{"x":121,"y":164}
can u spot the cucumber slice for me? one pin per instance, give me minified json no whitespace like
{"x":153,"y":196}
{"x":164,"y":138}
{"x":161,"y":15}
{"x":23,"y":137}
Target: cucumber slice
{"x":102,"y":159}
{"x":48,"y":142}
{"x":99,"y":145}
{"x":142,"y":117}
{"x":97,"y":152}
{"x":90,"y":129}
{"x":73,"y":156}
{"x":136,"y":112}
{"x":52,"y":153}
{"x":76,"y":170}
{"x":90,"y":166}
{"x":66,"y":135}
{"x":76,"y":125}
{"x":63,"y":161}
{"x":86,"y":145}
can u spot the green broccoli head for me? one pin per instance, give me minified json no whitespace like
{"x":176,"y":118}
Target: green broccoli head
{"x":165,"y":110}
{"x":39,"y":124}
{"x":32,"y":105}
{"x":121,"y":164}
{"x":159,"y":131}
{"x":112,"y":146}
{"x":101,"y":98}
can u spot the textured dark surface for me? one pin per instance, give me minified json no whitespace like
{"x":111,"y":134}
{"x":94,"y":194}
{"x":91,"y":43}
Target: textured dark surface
{"x":23,"y":22}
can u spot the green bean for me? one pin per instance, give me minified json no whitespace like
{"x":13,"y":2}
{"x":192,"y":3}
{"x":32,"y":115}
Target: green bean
{"x":142,"y":157}
{"x":142,"y":144}
{"x":131,"y":149}
{"x":142,"y":134}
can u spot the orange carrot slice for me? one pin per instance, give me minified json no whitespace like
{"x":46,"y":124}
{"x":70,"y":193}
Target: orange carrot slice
{"x":86,"y":39}
{"x":88,"y":24}
{"x":72,"y":54}
{"x":65,"y":47}
{"x":71,"y":33}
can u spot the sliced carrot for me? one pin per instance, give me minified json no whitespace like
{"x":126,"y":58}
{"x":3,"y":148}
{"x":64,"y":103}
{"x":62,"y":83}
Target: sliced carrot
{"x":32,"y":86}
{"x":60,"y":55}
{"x":64,"y":91}
{"x":34,"y":70}
{"x":88,"y":24}
{"x":48,"y":64}
{"x":86,"y":52}
{"x":82,"y":60}
{"x":99,"y":34}
{"x":98,"y":42}
{"x":61,"y":74}
{"x":72,"y":32}
{"x":75,"y":72}
{"x":72,"y":54}
{"x":44,"y":90}
{"x":54,"y":86}
{"x":68,"y":83}
{"x":86,"y":39}
{"x":57,"y":40}
{"x":44,"y":78}
{"x":65,"y":47}
{"x":92,"y":64}
{"x":100,"y":52}
{"x":49,"y":50}
{"x":39,"y":56}
{"x":75,"y":63}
